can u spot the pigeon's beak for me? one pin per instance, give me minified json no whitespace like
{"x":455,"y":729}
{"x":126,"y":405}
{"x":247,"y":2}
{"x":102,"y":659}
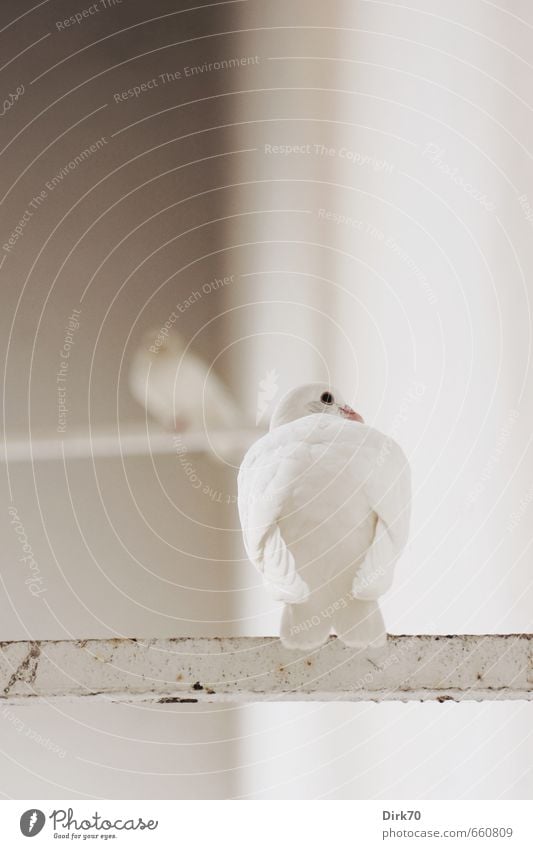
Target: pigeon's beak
{"x":350,"y":414}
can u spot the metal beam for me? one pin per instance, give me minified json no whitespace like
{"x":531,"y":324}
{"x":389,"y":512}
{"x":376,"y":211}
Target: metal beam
{"x":246,"y":669}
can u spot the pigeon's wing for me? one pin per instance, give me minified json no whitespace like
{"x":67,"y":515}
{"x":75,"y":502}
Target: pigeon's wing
{"x":388,"y":489}
{"x":264,"y":484}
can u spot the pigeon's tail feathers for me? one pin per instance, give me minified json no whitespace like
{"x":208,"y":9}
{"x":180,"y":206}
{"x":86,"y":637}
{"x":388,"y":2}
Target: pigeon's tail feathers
{"x":303,"y":626}
{"x":280,"y":575}
{"x":359,"y":624}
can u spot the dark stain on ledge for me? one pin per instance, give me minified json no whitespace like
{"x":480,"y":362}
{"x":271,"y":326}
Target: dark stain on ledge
{"x":176,"y":700}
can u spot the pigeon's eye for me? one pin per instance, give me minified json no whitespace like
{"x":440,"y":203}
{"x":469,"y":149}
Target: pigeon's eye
{"x":327,"y":398}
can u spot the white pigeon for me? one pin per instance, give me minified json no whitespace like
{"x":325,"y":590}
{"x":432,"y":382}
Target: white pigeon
{"x":324,"y":503}
{"x":177,"y":387}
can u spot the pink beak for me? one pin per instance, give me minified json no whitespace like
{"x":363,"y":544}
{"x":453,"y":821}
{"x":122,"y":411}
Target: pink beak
{"x":350,"y":414}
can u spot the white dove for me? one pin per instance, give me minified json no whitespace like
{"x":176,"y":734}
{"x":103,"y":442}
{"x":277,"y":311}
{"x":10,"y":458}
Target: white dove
{"x":324,"y":503}
{"x":177,"y":387}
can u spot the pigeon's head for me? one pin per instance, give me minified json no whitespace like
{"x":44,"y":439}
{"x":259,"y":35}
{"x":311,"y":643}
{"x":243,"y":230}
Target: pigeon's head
{"x":309,"y":399}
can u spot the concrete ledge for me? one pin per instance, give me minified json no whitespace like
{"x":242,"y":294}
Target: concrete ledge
{"x":247,"y":669}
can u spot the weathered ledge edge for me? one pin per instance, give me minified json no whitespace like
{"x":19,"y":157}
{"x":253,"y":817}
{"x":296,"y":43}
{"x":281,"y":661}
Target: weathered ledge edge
{"x":246,"y":669}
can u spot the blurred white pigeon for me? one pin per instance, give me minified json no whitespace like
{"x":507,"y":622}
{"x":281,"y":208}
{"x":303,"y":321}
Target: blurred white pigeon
{"x":177,"y":387}
{"x":324,"y":503}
